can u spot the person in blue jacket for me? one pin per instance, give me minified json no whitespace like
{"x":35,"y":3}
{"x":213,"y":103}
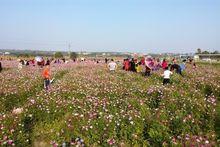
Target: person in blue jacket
{"x":182,"y":66}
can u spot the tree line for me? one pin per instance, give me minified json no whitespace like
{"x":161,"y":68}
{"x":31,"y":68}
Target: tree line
{"x":199,"y":51}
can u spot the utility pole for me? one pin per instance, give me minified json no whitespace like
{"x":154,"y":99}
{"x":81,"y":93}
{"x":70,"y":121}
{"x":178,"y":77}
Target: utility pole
{"x":69,"y":46}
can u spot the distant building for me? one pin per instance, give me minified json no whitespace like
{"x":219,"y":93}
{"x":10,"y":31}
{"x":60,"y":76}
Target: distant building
{"x":7,"y":53}
{"x":196,"y":57}
{"x":207,"y":57}
{"x":85,"y":53}
{"x":186,"y":56}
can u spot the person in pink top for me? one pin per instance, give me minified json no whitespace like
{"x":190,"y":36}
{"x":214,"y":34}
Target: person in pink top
{"x":174,"y":61}
{"x":164,"y":64}
{"x":143,"y":61}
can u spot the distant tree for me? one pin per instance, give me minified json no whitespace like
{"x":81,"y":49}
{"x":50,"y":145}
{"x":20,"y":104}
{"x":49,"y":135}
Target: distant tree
{"x":58,"y":55}
{"x":24,"y":55}
{"x":199,"y":51}
{"x":215,"y":52}
{"x":205,"y":52}
{"x":73,"y":55}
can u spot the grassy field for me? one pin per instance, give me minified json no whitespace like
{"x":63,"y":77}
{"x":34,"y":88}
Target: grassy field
{"x":88,"y":105}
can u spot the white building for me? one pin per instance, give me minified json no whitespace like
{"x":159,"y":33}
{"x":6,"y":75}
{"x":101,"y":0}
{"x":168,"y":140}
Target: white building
{"x":7,"y":53}
{"x":196,"y":57}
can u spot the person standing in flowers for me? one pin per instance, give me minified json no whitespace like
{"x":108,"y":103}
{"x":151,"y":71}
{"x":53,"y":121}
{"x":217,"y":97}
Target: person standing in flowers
{"x":147,"y":70}
{"x":47,"y":62}
{"x":46,"y":75}
{"x":166,"y":76}
{"x":174,"y":61}
{"x":182,"y":66}
{"x":133,"y":65}
{"x":112,"y":65}
{"x":157,"y":64}
{"x":127,"y":64}
{"x":0,"y":66}
{"x":142,"y":61}
{"x":147,"y":67}
{"x":164,"y":64}
{"x":20,"y":65}
{"x":177,"y":68}
{"x":194,"y":65}
{"x":138,"y":67}
{"x":106,"y":60}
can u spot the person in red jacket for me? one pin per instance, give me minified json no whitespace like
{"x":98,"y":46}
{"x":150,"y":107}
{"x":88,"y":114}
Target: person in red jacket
{"x":46,"y":75}
{"x":127,"y":65}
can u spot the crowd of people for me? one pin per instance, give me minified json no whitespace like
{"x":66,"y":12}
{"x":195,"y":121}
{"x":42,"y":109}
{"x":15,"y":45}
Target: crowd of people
{"x":40,"y":63}
{"x":151,"y":64}
{"x":145,"y":66}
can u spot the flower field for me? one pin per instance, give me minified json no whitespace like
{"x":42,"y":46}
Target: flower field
{"x":89,"y":106}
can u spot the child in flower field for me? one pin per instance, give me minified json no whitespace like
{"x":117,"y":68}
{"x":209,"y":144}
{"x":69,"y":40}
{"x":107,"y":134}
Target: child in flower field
{"x":112,"y":65}
{"x":166,"y":76}
{"x":46,"y":76}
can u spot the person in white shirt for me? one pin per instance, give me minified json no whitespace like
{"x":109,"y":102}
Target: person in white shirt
{"x":166,"y":76}
{"x":112,"y":65}
{"x":20,"y":65}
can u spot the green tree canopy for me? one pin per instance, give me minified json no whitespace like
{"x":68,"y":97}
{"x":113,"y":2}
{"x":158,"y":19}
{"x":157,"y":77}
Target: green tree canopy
{"x":73,"y":55}
{"x":215,"y":52}
{"x":199,"y":51}
{"x":58,"y":55}
{"x":205,"y":52}
{"x":24,"y":55}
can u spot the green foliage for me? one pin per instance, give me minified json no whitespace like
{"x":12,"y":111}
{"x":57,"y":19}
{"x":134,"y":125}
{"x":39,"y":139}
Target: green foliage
{"x":217,"y":121}
{"x":158,"y":133}
{"x":199,"y":51}
{"x":58,"y":55}
{"x":25,"y":55}
{"x":205,"y":52}
{"x":73,"y":55}
{"x":215,"y":52}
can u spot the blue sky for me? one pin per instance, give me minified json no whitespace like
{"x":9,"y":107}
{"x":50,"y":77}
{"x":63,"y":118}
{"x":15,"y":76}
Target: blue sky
{"x":111,"y":25}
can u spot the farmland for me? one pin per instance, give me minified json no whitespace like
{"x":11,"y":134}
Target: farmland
{"x":88,"y":105}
